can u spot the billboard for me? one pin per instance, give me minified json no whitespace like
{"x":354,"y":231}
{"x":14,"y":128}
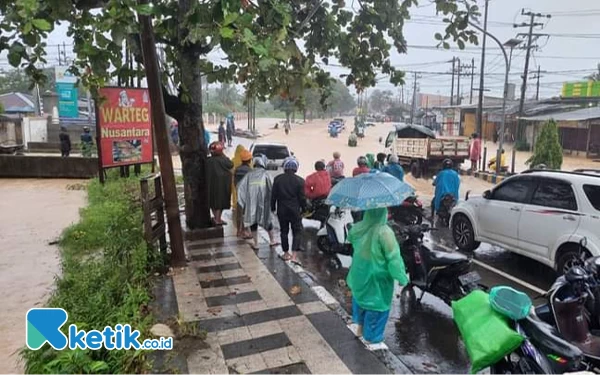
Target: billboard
{"x":124,"y":127}
{"x":584,"y":89}
{"x":67,"y":92}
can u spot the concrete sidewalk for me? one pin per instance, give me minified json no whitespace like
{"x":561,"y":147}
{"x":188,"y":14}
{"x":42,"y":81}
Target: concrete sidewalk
{"x":261,"y":316}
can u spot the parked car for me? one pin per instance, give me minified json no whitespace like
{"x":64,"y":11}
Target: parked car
{"x":539,"y":214}
{"x":276,"y":153}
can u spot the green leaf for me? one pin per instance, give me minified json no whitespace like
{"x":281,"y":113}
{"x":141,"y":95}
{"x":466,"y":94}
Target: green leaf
{"x":249,"y":36}
{"x":230,"y":18}
{"x":27,"y":28}
{"x":461,"y":44}
{"x":14,"y":59}
{"x":438,"y":36}
{"x":446,"y":45}
{"x":260,"y":49}
{"x":144,"y":9}
{"x":41,"y":24}
{"x":265,"y":64}
{"x":227,"y":32}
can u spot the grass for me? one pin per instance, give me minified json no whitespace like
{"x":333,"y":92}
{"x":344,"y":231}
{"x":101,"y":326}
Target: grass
{"x":106,"y":273}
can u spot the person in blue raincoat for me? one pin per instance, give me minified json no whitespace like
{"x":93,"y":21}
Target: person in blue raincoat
{"x":394,"y":168}
{"x":447,"y":181}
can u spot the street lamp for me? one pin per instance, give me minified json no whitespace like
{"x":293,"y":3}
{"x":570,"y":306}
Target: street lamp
{"x":512,"y":43}
{"x":507,"y":67}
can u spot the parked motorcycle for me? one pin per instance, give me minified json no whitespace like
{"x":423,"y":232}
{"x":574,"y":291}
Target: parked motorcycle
{"x":332,"y":238}
{"x":317,"y":210}
{"x":410,"y":212}
{"x":445,"y":275}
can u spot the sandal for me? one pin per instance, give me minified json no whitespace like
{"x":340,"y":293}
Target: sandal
{"x":254,"y":247}
{"x":274,"y":244}
{"x":286,"y":257}
{"x":296,"y":262}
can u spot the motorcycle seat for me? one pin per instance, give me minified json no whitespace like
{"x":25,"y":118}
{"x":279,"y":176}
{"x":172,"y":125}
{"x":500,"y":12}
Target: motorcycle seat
{"x":441,"y":258}
{"x":548,"y":337}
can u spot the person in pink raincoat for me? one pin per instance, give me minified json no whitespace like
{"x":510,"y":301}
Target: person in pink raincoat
{"x":475,"y":151}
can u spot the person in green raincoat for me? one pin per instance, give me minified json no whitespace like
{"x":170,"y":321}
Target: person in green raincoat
{"x":370,"y":160}
{"x":376,"y":263}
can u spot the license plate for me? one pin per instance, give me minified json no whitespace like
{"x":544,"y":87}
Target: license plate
{"x":469,"y":278}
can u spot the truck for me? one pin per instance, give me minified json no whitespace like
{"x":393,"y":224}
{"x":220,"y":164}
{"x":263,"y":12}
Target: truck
{"x":421,"y":152}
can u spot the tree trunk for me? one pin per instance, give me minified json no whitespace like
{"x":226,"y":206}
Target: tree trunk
{"x":193,"y":151}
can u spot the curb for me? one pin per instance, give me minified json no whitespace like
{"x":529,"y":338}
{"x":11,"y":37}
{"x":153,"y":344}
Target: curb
{"x":485,"y":176}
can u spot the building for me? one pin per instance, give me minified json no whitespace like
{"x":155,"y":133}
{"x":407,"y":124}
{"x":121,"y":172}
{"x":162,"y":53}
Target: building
{"x":17,"y":103}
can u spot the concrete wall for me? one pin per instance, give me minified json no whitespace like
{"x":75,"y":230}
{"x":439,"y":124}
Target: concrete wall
{"x":47,"y":167}
{"x":35,"y":129}
{"x":11,"y":130}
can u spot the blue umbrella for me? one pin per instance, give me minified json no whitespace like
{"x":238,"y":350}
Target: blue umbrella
{"x":368,"y":191}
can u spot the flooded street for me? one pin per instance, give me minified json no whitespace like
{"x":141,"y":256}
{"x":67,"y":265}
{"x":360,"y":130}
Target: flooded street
{"x":34,"y":213}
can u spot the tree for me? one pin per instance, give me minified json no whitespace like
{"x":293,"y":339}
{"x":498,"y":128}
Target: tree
{"x":285,"y":105}
{"x":380,"y":101}
{"x":16,"y":80}
{"x":260,"y":39}
{"x":397,"y":112}
{"x":547,"y":149}
{"x":337,"y":101}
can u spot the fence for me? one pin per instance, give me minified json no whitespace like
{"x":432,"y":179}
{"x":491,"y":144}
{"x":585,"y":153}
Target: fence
{"x":154,"y":211}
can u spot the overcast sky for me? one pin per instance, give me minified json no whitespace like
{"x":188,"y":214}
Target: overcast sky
{"x":569,"y":54}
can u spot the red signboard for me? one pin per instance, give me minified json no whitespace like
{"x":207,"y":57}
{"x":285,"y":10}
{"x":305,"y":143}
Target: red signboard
{"x":124,"y":127}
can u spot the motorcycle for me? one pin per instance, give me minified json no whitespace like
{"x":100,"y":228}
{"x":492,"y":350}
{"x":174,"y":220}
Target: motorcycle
{"x":317,"y":210}
{"x":572,"y":307}
{"x":332,"y":238}
{"x":445,"y":275}
{"x":444,"y":212}
{"x":335,"y":180}
{"x":410,"y":212}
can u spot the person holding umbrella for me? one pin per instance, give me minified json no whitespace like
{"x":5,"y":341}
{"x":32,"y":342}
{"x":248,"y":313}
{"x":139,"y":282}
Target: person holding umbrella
{"x":376,"y":262}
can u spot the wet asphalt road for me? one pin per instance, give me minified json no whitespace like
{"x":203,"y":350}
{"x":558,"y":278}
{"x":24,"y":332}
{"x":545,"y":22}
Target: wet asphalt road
{"x":424,"y":335}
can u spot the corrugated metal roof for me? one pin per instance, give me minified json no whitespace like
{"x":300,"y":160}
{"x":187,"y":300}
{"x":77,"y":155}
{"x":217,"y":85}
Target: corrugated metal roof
{"x":577,"y":115}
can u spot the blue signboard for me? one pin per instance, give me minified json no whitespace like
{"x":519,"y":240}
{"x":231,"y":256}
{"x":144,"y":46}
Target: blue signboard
{"x":67,"y":100}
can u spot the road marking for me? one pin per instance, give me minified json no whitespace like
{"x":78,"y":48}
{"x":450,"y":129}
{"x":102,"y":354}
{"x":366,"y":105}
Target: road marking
{"x":497,"y":271}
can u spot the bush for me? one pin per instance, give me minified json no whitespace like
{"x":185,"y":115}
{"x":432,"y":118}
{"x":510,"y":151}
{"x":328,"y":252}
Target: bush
{"x":548,"y":150}
{"x":106,"y":269}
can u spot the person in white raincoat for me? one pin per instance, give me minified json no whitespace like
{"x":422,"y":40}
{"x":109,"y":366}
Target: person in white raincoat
{"x":254,"y":198}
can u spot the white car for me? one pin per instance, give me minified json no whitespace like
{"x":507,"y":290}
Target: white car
{"x":540,"y":214}
{"x":276,"y":153}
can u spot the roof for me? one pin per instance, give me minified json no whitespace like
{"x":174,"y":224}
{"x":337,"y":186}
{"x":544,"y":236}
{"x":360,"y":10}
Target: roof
{"x":409,"y":130}
{"x":577,"y":115}
{"x":17,"y":102}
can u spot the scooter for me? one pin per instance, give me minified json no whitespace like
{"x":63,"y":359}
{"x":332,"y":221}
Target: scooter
{"x":332,"y":238}
{"x":445,"y":275}
{"x":410,"y":212}
{"x":317,"y":210}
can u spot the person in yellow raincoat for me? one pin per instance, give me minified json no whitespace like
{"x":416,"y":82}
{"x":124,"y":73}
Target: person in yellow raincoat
{"x":237,"y":162}
{"x":376,"y":263}
{"x":492,"y":162}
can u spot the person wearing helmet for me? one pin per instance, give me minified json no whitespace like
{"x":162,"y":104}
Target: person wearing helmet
{"x":394,"y":168}
{"x":289,"y":202}
{"x":254,"y":199}
{"x":87,"y":142}
{"x":336,"y":166}
{"x":218,"y":168}
{"x":242,"y":164}
{"x":362,"y":167}
{"x":446,"y":181}
{"x":379,"y":164}
{"x":65,"y":142}
{"x":318,"y":184}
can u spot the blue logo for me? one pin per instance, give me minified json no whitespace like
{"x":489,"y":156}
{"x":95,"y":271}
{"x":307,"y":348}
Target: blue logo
{"x":44,"y":324}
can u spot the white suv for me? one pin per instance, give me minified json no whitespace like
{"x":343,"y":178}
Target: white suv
{"x":539,"y":214}
{"x":276,"y":153}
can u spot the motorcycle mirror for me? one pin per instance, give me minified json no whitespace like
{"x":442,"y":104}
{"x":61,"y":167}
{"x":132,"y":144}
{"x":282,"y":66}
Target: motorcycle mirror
{"x":583,"y":242}
{"x":467,"y":195}
{"x":487,"y":194}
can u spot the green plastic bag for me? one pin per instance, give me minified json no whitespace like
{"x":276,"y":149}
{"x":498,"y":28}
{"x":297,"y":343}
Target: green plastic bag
{"x":486,"y":333}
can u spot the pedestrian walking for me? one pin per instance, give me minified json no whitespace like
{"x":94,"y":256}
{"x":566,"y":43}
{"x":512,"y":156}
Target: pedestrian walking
{"x":289,"y":202}
{"x":362,"y":167}
{"x":336,"y":166}
{"x":376,"y":263}
{"x":475,"y":151}
{"x":242,"y":165}
{"x":222,"y":133}
{"x":230,"y":129}
{"x":65,"y":142}
{"x":175,"y":132}
{"x":87,"y":143}
{"x":254,"y":198}
{"x":218,"y":168}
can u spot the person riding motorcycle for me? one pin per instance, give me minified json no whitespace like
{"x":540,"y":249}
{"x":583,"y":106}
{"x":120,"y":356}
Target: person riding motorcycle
{"x":352,"y":140}
{"x":492,"y":162}
{"x":318,"y":184}
{"x":394,"y":168}
{"x":447,"y":181}
{"x":362,"y":167}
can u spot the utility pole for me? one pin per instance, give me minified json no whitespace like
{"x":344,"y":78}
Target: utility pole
{"x":472,"y":75}
{"x":162,"y":142}
{"x":414,"y":100}
{"x":59,"y":60}
{"x":482,"y":72}
{"x":452,"y":87}
{"x":458,"y":82}
{"x":532,"y":16}
{"x":537,"y":85}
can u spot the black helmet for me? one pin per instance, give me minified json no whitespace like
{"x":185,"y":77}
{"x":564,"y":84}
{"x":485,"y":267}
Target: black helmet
{"x":362,"y":160}
{"x":447,"y":164}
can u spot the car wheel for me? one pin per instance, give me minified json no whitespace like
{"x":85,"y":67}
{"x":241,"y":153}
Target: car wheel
{"x":463,"y":233}
{"x":415,"y":170}
{"x":569,"y":258}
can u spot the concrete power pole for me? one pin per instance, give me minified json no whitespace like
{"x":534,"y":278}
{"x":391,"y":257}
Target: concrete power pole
{"x":414,"y":100}
{"x":482,"y":72}
{"x":452,"y":87}
{"x":458,"y":82}
{"x":532,"y":16}
{"x":472,"y":75}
